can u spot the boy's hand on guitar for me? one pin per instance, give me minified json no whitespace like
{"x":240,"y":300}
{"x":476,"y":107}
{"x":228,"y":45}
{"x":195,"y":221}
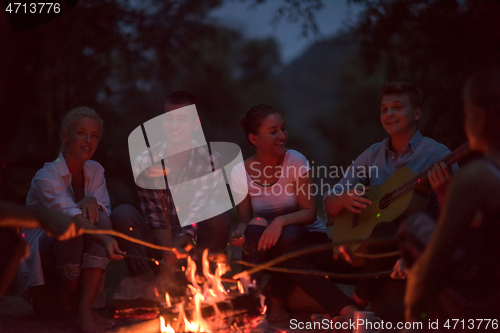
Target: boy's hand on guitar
{"x":354,"y":202}
{"x":439,"y":178}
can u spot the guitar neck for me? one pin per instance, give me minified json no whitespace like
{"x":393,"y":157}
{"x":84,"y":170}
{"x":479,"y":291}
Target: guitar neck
{"x":422,"y":177}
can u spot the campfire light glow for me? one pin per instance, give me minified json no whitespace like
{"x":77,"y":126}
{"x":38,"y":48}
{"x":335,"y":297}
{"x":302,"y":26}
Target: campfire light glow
{"x":207,"y":306}
{"x":240,"y":288}
{"x":163,"y":328}
{"x":211,"y":292}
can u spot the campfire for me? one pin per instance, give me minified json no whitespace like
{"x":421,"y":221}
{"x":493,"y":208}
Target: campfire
{"x":210,"y":303}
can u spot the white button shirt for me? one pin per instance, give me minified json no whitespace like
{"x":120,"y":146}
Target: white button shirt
{"x":51,"y":188}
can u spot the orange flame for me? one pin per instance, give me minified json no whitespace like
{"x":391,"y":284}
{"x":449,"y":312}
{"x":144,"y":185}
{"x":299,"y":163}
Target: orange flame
{"x":240,"y":288}
{"x":167,"y":300}
{"x":215,"y":289}
{"x":163,"y":328}
{"x":211,"y":292}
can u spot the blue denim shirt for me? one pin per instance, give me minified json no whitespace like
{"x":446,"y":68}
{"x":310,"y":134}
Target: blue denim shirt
{"x":376,"y":164}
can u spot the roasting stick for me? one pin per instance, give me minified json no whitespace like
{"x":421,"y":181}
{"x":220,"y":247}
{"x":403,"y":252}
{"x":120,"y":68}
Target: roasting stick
{"x":266,"y":265}
{"x":175,"y":250}
{"x":320,"y":273}
{"x":308,"y":250}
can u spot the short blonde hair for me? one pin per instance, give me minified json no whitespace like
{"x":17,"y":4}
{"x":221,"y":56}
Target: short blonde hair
{"x":76,"y":114}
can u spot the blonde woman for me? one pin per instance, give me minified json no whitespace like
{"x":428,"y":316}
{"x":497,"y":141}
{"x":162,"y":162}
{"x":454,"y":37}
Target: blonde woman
{"x":75,"y":185}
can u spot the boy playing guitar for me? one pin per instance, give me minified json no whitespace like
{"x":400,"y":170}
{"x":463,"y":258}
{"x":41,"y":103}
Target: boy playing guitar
{"x":400,"y":112}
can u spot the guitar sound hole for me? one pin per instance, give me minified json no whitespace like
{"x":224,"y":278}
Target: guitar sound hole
{"x":385,"y":201}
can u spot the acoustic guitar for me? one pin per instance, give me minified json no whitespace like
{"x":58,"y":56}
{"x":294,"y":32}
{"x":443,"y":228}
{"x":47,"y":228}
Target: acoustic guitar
{"x":395,"y":198}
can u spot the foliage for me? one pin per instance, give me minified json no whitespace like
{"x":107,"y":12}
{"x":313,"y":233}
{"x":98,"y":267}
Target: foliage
{"x":436,"y":44}
{"x":302,"y":12}
{"x":122,"y":58}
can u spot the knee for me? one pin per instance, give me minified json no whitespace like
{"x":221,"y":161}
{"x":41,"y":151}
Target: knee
{"x":253,"y":233}
{"x":103,"y":222}
{"x":69,"y":272}
{"x":123,"y":217}
{"x":258,"y":221}
{"x":419,"y":226}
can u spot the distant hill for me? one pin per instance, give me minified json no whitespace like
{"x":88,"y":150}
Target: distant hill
{"x":330,"y":103}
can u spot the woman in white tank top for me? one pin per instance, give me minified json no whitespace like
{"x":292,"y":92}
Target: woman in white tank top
{"x":276,"y":212}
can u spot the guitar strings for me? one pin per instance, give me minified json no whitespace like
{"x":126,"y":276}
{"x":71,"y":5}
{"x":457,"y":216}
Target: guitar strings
{"x":401,"y":190}
{"x":393,"y":195}
{"x":404,"y":188}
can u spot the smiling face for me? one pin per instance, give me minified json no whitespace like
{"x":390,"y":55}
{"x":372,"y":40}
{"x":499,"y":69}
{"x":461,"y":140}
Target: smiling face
{"x":179,"y":125}
{"x":397,"y":114}
{"x":81,"y":139}
{"x":272,"y":135}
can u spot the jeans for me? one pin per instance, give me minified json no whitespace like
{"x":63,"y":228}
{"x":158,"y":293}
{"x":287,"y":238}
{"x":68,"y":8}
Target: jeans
{"x":212,"y":233}
{"x":64,"y":260}
{"x":294,"y":237}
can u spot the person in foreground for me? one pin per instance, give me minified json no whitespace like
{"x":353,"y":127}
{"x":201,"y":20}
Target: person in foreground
{"x":286,"y":216}
{"x":13,"y":248}
{"x":75,"y":185}
{"x":400,"y":112}
{"x":457,"y":274}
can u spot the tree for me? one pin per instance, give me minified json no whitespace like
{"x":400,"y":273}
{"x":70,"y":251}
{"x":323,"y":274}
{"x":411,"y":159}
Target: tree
{"x":122,"y":58}
{"x":436,"y":44}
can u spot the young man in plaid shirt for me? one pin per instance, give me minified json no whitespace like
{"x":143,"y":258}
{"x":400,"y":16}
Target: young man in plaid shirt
{"x":194,"y":181}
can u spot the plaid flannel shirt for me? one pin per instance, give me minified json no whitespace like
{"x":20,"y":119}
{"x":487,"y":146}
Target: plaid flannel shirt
{"x":199,"y":169}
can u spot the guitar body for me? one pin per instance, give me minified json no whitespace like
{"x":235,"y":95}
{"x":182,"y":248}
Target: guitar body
{"x":377,"y":212}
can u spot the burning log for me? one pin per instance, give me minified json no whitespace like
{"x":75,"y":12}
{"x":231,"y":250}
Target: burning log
{"x":248,"y":304}
{"x":148,"y":309}
{"x":238,"y":308}
{"x":207,"y":306}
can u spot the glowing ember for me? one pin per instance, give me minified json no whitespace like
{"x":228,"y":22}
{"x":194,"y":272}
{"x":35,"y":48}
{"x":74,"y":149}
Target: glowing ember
{"x":263,"y":305}
{"x":240,"y":288}
{"x":167,"y":300}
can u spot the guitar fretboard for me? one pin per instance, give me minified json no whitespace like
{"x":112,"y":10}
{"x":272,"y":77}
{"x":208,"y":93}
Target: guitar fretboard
{"x":423,"y":176}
